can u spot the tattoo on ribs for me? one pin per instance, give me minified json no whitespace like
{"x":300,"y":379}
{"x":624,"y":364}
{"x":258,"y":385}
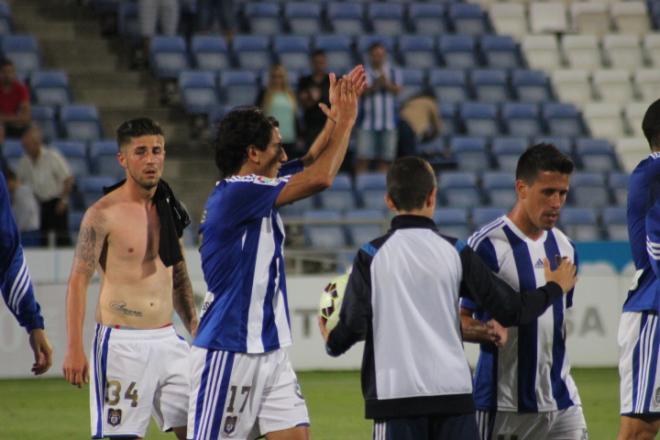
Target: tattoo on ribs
{"x":121,"y":308}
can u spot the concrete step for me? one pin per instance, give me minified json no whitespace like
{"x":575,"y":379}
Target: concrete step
{"x":124,"y":80}
{"x":93,"y":55}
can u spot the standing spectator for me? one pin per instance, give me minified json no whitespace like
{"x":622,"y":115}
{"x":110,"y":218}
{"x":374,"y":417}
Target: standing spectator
{"x":377,"y":137}
{"x":222,"y":11}
{"x":278,"y":101}
{"x":23,"y":204}
{"x":47,"y":172}
{"x":14,"y":100}
{"x":157,"y":13}
{"x":312,"y":90}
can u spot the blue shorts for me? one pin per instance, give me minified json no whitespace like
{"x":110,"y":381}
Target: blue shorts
{"x":433,"y":427}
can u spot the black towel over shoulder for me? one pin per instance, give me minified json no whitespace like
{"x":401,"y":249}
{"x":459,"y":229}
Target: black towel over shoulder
{"x":173,"y":220}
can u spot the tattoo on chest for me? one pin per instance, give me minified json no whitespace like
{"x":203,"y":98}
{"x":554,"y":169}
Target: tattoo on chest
{"x":121,"y":308}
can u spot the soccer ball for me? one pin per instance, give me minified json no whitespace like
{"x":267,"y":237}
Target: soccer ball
{"x":331,"y":299}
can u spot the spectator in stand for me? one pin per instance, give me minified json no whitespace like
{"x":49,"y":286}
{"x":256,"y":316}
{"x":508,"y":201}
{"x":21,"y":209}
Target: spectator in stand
{"x":14,"y":100}
{"x":377,"y":137}
{"x":210,"y":12}
{"x":24,"y":205}
{"x":422,"y":114}
{"x":157,"y":14}
{"x":313,"y":90}
{"x":278,"y":101}
{"x":49,"y":175}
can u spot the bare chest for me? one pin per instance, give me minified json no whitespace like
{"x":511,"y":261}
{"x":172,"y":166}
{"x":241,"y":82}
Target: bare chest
{"x":134,"y":237}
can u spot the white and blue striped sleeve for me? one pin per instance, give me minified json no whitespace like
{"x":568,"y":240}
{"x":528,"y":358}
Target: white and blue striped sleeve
{"x":15,"y":283}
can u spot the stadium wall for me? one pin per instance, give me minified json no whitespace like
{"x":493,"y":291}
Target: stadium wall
{"x":591,"y":324}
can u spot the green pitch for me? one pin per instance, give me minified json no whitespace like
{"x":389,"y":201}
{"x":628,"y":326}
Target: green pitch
{"x":51,"y":409}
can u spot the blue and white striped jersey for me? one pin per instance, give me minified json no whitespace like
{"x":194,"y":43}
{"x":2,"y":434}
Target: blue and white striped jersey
{"x":246,"y":310}
{"x":653,"y":244}
{"x":15,"y":283}
{"x":531,"y":373}
{"x":379,"y":110}
{"x":643,"y":190}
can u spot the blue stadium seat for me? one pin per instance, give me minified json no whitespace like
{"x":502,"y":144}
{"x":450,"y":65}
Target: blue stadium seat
{"x":431,"y":148}
{"x":500,"y":51}
{"x":81,"y":122}
{"x":75,"y":153}
{"x":563,"y":119}
{"x":468,"y":18}
{"x":198,"y":91}
{"x":499,"y":188}
{"x":427,"y":18}
{"x":239,"y":87}
{"x":450,"y":124}
{"x":386,"y":18}
{"x":252,"y":51}
{"x":13,"y":151}
{"x":481,"y":215}
{"x":618,"y":184}
{"x":346,"y":18}
{"x":50,"y":87}
{"x":531,"y":86}
{"x":588,"y":190}
{"x":580,"y":224}
{"x":210,"y":52}
{"x":596,"y":154}
{"x":452,"y":222}
{"x":521,"y":119}
{"x":365,"y":41}
{"x":470,"y":153}
{"x":298,"y":208}
{"x":450,"y":85}
{"x":340,"y":196}
{"x":292,"y":51}
{"x":128,"y":24}
{"x":44,"y":117}
{"x":563,"y":143}
{"x":91,"y":187}
{"x":6,"y":22}
{"x":263,"y":18}
{"x":490,"y":85}
{"x":324,"y":237}
{"x":23,"y":51}
{"x":458,"y":51}
{"x":75,"y":219}
{"x":169,"y":56}
{"x":480,"y":119}
{"x":371,"y":189}
{"x":616,"y":223}
{"x":103,"y":155}
{"x":459,"y":189}
{"x":417,"y":51}
{"x":361,"y":233}
{"x":507,"y":151}
{"x":338,"y":51}
{"x":412,"y":83}
{"x":304,"y":18}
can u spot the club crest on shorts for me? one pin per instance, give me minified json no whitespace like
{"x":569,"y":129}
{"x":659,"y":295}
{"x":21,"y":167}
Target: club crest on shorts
{"x":230,"y":424}
{"x":114,"y":416}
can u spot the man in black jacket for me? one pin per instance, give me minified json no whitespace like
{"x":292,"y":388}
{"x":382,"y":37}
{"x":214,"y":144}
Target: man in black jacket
{"x":402,"y":298}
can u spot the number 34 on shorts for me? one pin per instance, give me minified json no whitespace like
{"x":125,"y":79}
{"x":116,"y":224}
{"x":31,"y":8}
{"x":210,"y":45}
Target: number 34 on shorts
{"x":113,"y":391}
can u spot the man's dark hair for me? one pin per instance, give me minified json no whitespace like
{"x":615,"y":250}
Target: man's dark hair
{"x":240,"y":128}
{"x":4,"y":61}
{"x":318,"y":52}
{"x":542,"y":157}
{"x":409,"y":182}
{"x":375,"y":45}
{"x":135,"y":128}
{"x":651,"y":125}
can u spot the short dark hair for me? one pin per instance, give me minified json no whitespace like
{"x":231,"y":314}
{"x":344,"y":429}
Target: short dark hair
{"x":375,"y":45}
{"x":542,"y":157}
{"x":240,"y":128}
{"x":409,"y":182}
{"x":4,"y":61}
{"x":651,"y":125}
{"x":135,"y":128}
{"x":317,"y":52}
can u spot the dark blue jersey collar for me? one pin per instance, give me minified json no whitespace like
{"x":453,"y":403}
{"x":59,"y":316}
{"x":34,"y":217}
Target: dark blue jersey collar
{"x":412,"y":221}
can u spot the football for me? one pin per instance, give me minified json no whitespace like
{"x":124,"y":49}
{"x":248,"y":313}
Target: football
{"x":331,"y":299}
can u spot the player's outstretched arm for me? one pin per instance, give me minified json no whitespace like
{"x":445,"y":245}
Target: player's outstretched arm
{"x":91,"y":238}
{"x":506,"y":305}
{"x":183,"y":297}
{"x":320,"y":174}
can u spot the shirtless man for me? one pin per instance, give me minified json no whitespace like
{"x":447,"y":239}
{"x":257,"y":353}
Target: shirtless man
{"x":139,"y":364}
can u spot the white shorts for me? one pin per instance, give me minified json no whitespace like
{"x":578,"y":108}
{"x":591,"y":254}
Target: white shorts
{"x":639,"y":342}
{"x":137,"y":374}
{"x":243,"y":396}
{"x":564,"y":424}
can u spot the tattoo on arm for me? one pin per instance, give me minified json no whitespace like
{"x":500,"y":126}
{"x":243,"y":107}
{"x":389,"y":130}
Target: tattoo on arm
{"x":90,"y":241}
{"x":182,"y":295}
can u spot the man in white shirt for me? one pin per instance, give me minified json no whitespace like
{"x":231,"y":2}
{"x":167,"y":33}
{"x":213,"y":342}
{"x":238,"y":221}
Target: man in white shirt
{"x":24,"y":205}
{"x":49,"y":175}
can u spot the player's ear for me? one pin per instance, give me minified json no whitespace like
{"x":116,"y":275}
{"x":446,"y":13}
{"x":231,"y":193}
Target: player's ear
{"x":121,"y":158}
{"x":390,"y":203}
{"x":521,"y":189}
{"x":431,"y":198}
{"x":253,"y":154}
